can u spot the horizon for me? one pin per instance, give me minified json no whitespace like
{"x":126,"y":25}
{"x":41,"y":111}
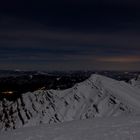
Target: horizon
{"x":35,"y":70}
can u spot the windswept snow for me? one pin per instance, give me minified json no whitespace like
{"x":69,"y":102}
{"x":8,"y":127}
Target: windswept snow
{"x":119,"y":89}
{"x":136,"y":82}
{"x":117,"y":128}
{"x":97,"y":96}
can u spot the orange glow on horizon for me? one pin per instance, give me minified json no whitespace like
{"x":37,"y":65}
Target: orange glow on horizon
{"x":120,"y":59}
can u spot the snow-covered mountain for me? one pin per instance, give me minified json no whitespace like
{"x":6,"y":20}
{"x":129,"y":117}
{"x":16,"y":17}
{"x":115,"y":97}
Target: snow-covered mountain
{"x":98,"y":96}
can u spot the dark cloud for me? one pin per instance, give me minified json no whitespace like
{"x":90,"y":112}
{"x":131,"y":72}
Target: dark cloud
{"x":70,"y":34}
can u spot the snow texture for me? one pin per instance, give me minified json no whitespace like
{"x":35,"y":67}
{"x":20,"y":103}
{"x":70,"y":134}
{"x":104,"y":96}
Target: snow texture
{"x":136,"y":82}
{"x":114,"y":128}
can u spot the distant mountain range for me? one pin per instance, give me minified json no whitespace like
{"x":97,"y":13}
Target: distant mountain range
{"x":98,"y":96}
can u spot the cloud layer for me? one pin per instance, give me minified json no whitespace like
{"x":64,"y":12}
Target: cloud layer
{"x":70,"y":35}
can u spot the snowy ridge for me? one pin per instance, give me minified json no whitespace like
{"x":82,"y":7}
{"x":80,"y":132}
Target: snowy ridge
{"x":136,"y":82}
{"x":97,"y":96}
{"x":117,"y":128}
{"x":120,"y":89}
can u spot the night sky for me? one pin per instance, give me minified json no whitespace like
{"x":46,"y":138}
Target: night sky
{"x":70,"y":35}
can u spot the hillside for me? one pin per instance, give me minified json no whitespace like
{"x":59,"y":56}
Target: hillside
{"x":117,"y":128}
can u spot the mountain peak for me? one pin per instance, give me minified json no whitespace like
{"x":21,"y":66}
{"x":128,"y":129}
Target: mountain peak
{"x":97,"y":77}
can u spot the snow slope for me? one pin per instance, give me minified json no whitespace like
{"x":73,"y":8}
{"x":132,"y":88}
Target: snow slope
{"x":98,"y":96}
{"x":117,"y":128}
